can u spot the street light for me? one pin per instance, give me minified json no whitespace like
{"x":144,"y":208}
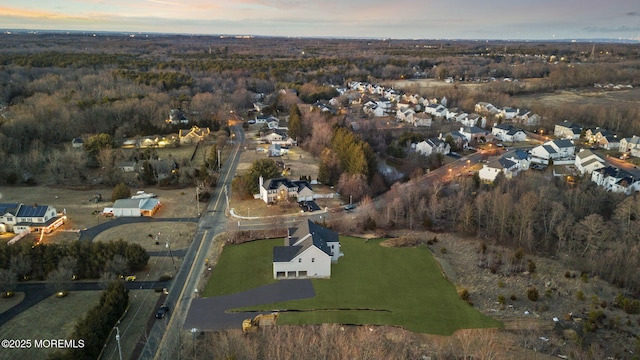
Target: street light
{"x":193,"y":332}
{"x":118,"y":342}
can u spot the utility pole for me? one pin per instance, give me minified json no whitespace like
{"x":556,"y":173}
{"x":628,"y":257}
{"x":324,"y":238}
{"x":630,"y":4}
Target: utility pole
{"x":198,"y":200}
{"x":118,"y":342}
{"x":168,"y":246}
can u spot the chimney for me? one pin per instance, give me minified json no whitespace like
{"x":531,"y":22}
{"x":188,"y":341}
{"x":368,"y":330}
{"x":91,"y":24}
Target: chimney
{"x":261,"y":181}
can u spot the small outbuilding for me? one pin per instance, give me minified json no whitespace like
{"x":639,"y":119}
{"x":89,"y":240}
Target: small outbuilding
{"x":135,"y":207}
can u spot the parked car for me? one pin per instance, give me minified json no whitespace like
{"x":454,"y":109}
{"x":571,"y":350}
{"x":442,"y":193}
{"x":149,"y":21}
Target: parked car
{"x":162,"y":311}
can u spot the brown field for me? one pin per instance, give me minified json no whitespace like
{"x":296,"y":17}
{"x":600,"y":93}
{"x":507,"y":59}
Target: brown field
{"x":584,"y":97}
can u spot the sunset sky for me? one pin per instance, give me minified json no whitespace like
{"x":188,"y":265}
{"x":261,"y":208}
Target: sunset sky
{"x":406,"y":19}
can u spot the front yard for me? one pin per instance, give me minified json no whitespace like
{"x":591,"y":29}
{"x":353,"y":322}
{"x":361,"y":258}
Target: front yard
{"x":371,"y":285}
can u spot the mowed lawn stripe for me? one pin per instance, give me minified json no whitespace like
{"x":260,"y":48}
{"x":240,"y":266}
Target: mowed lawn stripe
{"x":400,"y":286}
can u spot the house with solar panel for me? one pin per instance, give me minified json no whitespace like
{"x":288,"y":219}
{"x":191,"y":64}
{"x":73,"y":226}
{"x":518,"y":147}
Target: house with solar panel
{"x":18,"y":218}
{"x":308,"y":252}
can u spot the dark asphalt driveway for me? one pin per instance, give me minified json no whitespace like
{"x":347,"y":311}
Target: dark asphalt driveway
{"x":90,"y":233}
{"x":211,"y":313}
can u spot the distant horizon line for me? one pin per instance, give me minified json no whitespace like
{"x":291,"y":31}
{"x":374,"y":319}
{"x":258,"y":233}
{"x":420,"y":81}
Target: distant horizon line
{"x":9,"y":31}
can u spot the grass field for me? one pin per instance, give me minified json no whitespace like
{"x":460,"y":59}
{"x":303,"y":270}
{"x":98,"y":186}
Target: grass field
{"x":52,"y":318}
{"x":370,"y":285}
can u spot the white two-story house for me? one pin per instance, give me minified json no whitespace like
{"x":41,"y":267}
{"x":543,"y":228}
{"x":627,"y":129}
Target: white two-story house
{"x":308,"y":251}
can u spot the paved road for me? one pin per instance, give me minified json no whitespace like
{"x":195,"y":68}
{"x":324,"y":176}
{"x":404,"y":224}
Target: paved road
{"x":163,"y":341}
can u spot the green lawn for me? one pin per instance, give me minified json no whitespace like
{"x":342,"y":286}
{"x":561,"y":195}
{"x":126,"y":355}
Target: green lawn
{"x":371,"y":284}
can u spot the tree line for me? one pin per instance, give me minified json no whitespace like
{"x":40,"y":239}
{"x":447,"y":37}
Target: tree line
{"x":90,"y":258}
{"x":595,"y":231}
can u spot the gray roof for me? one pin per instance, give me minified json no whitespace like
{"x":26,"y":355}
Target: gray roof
{"x":319,"y":238}
{"x":549,"y":149}
{"x":516,"y":154}
{"x":126,"y":204}
{"x":563,"y":143}
{"x":274,"y":184}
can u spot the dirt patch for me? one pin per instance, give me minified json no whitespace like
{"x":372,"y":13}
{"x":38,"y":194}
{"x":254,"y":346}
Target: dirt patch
{"x":152,"y":236}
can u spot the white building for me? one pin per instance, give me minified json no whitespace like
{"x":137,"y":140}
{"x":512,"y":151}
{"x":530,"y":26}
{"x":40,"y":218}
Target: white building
{"x":308,"y":252}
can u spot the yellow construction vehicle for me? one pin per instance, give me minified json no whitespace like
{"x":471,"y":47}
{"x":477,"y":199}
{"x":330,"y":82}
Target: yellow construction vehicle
{"x":252,"y":325}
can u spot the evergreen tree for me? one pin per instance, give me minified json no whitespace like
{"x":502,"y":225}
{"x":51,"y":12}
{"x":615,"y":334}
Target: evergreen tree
{"x":120,"y":191}
{"x":295,"y":122}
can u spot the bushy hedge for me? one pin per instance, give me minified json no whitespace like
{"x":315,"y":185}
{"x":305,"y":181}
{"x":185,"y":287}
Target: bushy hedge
{"x":94,"y":328}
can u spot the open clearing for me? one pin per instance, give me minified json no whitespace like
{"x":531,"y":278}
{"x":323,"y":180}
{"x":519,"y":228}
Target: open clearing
{"x":52,"y":318}
{"x":370,"y":285}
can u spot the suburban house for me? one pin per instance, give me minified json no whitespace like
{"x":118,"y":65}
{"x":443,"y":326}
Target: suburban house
{"x":273,"y":122}
{"x":405,"y":115}
{"x":308,"y":251}
{"x":630,"y":145}
{"x":438,"y":110}
{"x":177,"y":117}
{"x":276,"y":149}
{"x":134,"y":207}
{"x":508,"y":112}
{"x":161,"y":168}
{"x":596,"y":134}
{"x":616,"y":180}
{"x":421,"y":119}
{"x":507,"y":132}
{"x":471,"y":120}
{"x":554,"y":149}
{"x":609,"y":142}
{"x":18,"y":218}
{"x":433,"y":145}
{"x":567,"y":130}
{"x":486,"y":108}
{"x":490,"y":170}
{"x":476,"y":134}
{"x":279,"y":189}
{"x":459,"y":139}
{"x":193,"y":135}
{"x":587,"y":161}
{"x":520,"y":157}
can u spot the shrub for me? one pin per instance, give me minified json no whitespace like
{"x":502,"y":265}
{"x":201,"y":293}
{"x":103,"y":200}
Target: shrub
{"x":532,"y":293}
{"x":584,"y":277}
{"x":165,"y":278}
{"x":500,"y":284}
{"x":443,"y":250}
{"x":531,"y":266}
{"x":513,"y":297}
{"x":580,"y":295}
{"x":463,"y":294}
{"x":501,"y":299}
